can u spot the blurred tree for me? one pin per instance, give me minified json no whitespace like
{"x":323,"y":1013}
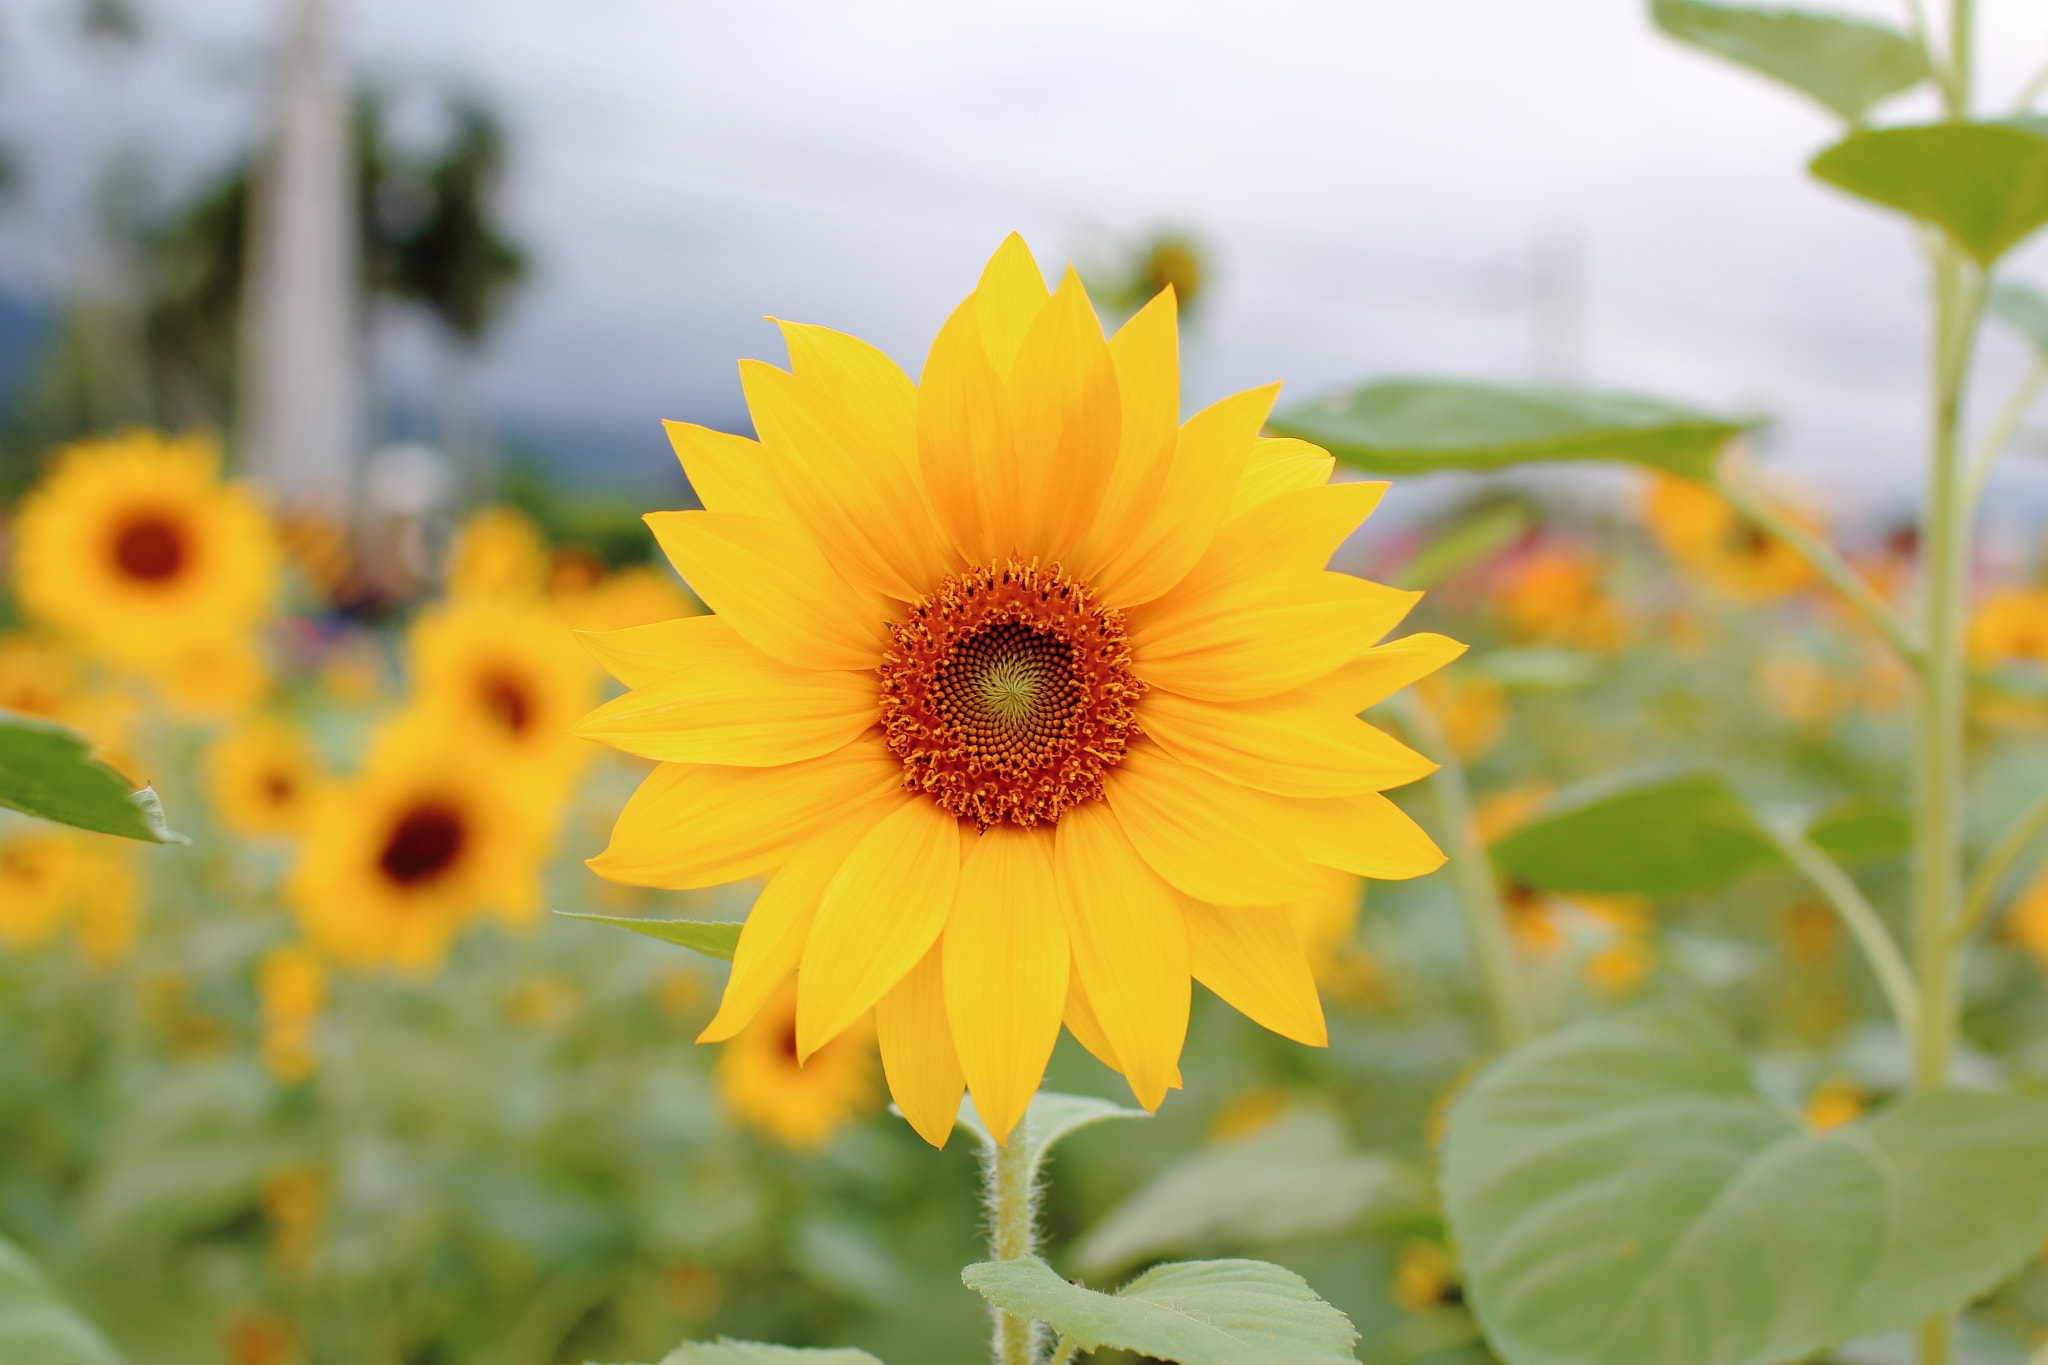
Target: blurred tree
{"x":429,"y":239}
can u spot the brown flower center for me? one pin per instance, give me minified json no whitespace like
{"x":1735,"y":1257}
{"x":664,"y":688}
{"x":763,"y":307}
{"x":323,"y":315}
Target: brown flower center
{"x":1007,"y":693}
{"x":150,"y":548}
{"x":424,"y":843}
{"x":506,"y":698}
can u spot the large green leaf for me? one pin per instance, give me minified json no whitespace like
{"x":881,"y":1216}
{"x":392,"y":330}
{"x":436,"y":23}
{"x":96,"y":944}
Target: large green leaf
{"x":1986,"y":184}
{"x":48,"y":771}
{"x":2022,"y":308}
{"x":37,"y":1327}
{"x":1846,"y":64}
{"x":1661,"y":835}
{"x":1413,"y":426}
{"x":1194,"y":1312}
{"x":726,"y":1351}
{"x":713,"y":938}
{"x":1297,"y":1178}
{"x":1621,"y":1194}
{"x":1860,"y":831}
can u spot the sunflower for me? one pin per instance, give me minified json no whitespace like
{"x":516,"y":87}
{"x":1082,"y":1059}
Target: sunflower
{"x":219,"y":680}
{"x":1703,"y":531}
{"x":1554,"y":597}
{"x":431,"y":833}
{"x":505,"y":668}
{"x":39,"y":677}
{"x":48,"y":878}
{"x":262,"y":774}
{"x":799,"y":1103}
{"x":2010,"y":625}
{"x":639,"y":596}
{"x":1034,"y":700}
{"x":132,"y":546}
{"x":498,"y":553}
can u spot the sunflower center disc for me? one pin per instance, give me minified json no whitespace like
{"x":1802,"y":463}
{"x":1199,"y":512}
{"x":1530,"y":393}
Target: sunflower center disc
{"x":506,"y":699}
{"x":422,"y":845}
{"x":150,"y":549}
{"x":1007,"y":693}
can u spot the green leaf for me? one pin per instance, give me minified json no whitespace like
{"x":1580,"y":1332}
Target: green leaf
{"x":1194,"y":1312}
{"x":1415,"y":426}
{"x":49,"y":771}
{"x":1477,"y":534}
{"x":726,"y":1351}
{"x":713,"y":938}
{"x":2022,"y":308}
{"x":1846,"y":64}
{"x":37,"y":1327}
{"x":1623,"y":1195}
{"x":1862,"y":832}
{"x":1666,"y":834}
{"x":1296,"y":1178}
{"x":1050,"y":1117}
{"x":1985,"y":184}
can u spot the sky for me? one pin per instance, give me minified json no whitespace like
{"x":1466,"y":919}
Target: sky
{"x":1385,"y":187}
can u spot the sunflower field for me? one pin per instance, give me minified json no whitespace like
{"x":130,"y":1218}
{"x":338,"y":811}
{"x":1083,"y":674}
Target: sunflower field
{"x":1566,"y":928}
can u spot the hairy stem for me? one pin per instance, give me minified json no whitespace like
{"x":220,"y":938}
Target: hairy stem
{"x":1863,"y":922}
{"x":1011,"y":1189}
{"x":1486,"y":919}
{"x":1839,"y":573}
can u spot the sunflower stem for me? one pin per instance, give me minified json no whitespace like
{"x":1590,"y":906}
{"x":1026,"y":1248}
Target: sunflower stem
{"x":1486,"y":918}
{"x":1011,"y":1189}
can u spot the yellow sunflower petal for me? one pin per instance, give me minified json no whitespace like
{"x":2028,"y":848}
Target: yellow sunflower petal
{"x":859,"y":498}
{"x":769,"y":579}
{"x":1063,"y":392}
{"x":1278,"y":464}
{"x":881,"y":913}
{"x":1008,"y":299}
{"x":729,"y":473}
{"x":1364,"y":834}
{"x":871,"y":388}
{"x":917,"y":1050}
{"x":1296,"y":531}
{"x":640,"y":655}
{"x":1079,"y":1017}
{"x":1007,"y":964}
{"x":1294,"y":744}
{"x":1385,"y":669}
{"x":1210,"y":838}
{"x":1251,"y":956}
{"x":695,"y":824}
{"x":772,"y":940}
{"x":1146,"y":353}
{"x":1130,"y":947}
{"x":964,"y":443}
{"x":735,"y":705}
{"x":1265,"y":635}
{"x":1187,"y":505}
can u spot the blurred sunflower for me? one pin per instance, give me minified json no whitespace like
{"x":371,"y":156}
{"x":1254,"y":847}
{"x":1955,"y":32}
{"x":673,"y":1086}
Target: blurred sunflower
{"x":431,"y":833}
{"x":132,"y":546}
{"x":262,"y":775}
{"x":507,"y":669}
{"x":499,"y":552}
{"x":2010,"y":625}
{"x":49,"y":877}
{"x":1701,"y":530}
{"x":291,"y":985}
{"x":1035,"y":700}
{"x":219,"y":680}
{"x":639,"y":596}
{"x":1554,"y":597}
{"x":799,"y":1103}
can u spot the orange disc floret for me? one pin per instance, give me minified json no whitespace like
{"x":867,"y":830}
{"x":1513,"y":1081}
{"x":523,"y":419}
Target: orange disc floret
{"x":1007,"y":693}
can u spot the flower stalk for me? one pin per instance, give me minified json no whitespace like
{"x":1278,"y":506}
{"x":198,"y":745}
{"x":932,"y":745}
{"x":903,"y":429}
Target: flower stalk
{"x":1011,"y":1187}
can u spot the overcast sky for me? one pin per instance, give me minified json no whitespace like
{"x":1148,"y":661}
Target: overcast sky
{"x":1375,"y":178}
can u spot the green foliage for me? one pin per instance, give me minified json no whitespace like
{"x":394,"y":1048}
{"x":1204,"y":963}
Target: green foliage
{"x":1194,"y":1312}
{"x":1621,"y":1192}
{"x":1465,"y":540}
{"x":1662,"y":836}
{"x":1297,"y":1178}
{"x":1414,"y":426}
{"x":2022,"y":308}
{"x":37,"y":1327}
{"x":1985,"y":184}
{"x":1847,"y":64}
{"x":48,"y":771}
{"x":709,"y":937}
{"x":726,"y":1351}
